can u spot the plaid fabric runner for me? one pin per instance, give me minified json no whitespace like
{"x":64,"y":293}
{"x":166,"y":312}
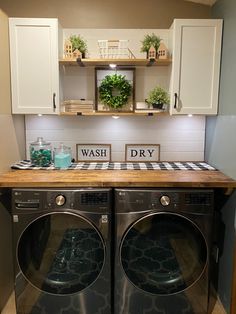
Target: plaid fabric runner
{"x":26,"y":165}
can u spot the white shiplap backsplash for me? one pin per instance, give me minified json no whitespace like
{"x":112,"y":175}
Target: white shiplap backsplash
{"x":181,"y":138}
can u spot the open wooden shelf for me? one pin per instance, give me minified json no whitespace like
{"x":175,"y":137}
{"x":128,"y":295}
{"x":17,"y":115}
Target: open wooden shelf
{"x":120,"y":62}
{"x":109,"y":113}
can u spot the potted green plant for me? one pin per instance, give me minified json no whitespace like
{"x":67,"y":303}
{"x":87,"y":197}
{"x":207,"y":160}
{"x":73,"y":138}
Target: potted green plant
{"x":150,"y":40}
{"x":158,"y":97}
{"x":78,"y":43}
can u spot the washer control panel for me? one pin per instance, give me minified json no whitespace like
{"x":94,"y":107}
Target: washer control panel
{"x":89,"y":200}
{"x":135,"y":200}
{"x":177,"y":200}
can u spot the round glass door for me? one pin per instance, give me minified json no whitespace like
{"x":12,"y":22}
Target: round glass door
{"x":61,"y":253}
{"x":163,"y":253}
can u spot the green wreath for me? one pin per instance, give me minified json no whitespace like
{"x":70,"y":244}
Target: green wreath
{"x":111,"y":84}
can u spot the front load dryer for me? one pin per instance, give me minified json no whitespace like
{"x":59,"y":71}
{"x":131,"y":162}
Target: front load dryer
{"x":162,"y":246}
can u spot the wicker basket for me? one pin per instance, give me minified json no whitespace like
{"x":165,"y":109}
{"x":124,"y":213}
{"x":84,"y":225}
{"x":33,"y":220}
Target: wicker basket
{"x":114,"y":49}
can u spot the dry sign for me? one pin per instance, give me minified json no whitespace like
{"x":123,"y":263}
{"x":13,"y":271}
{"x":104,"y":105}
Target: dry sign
{"x":93,"y":152}
{"x":142,"y":152}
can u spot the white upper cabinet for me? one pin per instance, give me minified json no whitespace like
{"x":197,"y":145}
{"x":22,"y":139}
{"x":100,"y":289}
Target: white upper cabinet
{"x":34,"y":65}
{"x":195,"y":66}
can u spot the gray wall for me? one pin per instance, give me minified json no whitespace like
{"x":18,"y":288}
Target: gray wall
{"x":221,"y":139}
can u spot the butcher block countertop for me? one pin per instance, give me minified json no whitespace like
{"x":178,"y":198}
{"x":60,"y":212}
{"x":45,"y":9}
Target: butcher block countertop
{"x":116,"y":178}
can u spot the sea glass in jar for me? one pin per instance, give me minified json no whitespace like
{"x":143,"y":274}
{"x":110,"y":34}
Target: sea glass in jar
{"x":40,"y":153}
{"x":62,"y":156}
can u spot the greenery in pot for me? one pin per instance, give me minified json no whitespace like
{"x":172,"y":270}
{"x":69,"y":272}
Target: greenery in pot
{"x":78,"y":43}
{"x":115,"y":90}
{"x":150,"y":40}
{"x":157,"y":97}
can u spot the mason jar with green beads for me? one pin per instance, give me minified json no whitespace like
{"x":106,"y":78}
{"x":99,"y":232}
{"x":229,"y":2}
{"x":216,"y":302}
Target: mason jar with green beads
{"x":40,"y":153}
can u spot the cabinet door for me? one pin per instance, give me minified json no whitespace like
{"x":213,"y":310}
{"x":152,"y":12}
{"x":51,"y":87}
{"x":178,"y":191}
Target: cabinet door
{"x":34,"y":65}
{"x":196,"y":66}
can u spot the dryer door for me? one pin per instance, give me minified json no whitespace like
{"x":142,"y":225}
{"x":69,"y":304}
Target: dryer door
{"x":61,"y":253}
{"x":163,"y":253}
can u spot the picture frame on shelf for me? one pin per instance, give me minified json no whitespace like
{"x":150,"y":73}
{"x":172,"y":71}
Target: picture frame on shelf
{"x":114,"y":89}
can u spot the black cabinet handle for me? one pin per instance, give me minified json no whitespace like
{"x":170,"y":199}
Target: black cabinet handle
{"x":176,"y":96}
{"x":54,"y":101}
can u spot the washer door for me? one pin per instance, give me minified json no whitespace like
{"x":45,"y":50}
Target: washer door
{"x":61,"y":253}
{"x":163,"y":253}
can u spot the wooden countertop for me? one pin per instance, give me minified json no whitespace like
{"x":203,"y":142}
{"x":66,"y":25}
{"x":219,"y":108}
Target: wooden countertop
{"x":116,"y":178}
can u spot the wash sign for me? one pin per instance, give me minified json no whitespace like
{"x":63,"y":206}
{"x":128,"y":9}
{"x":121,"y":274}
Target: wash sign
{"x":93,"y":152}
{"x":142,"y":152}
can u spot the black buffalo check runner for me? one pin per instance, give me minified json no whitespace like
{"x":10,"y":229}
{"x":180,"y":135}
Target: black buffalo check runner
{"x":26,"y":165}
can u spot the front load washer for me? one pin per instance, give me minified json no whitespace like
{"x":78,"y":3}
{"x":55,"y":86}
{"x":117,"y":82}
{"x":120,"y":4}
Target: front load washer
{"x":62,"y":250}
{"x":163,"y":240}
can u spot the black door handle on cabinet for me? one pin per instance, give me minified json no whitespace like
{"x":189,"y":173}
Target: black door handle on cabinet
{"x":176,"y":96}
{"x":54,"y":101}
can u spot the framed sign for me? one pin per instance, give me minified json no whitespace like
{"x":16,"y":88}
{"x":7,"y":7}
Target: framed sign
{"x":142,"y":152}
{"x":114,"y":89}
{"x":93,"y":152}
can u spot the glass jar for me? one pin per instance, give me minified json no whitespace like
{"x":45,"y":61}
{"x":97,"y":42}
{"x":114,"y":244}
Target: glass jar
{"x":40,"y":153}
{"x":62,"y":156}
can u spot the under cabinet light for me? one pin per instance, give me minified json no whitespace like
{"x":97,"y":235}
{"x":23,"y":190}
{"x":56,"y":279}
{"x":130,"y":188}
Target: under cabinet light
{"x":190,"y":115}
{"x":112,"y":65}
{"x":115,"y":117}
{"x":39,"y":114}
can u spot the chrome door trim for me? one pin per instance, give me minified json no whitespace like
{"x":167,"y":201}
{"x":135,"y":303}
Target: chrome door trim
{"x":67,"y":213}
{"x":171,"y":214}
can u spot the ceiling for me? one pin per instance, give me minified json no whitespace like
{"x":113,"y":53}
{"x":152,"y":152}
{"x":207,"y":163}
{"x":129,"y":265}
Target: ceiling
{"x":206,"y":2}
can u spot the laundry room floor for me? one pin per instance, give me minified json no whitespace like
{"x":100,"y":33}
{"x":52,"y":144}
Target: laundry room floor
{"x":10,"y":307}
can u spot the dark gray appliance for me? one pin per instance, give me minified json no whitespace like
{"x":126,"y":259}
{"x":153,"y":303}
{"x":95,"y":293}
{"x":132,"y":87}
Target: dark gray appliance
{"x":163,"y":240}
{"x":6,"y":264}
{"x":62,"y":250}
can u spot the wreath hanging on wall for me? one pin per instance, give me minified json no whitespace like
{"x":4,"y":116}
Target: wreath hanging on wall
{"x":115,"y":90}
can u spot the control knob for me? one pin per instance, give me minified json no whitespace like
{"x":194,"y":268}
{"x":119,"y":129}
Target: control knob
{"x":165,"y":200}
{"x":60,"y":200}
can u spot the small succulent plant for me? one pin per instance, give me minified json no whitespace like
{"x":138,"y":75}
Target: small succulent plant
{"x":78,"y":43}
{"x":158,"y":96}
{"x":150,"y":40}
